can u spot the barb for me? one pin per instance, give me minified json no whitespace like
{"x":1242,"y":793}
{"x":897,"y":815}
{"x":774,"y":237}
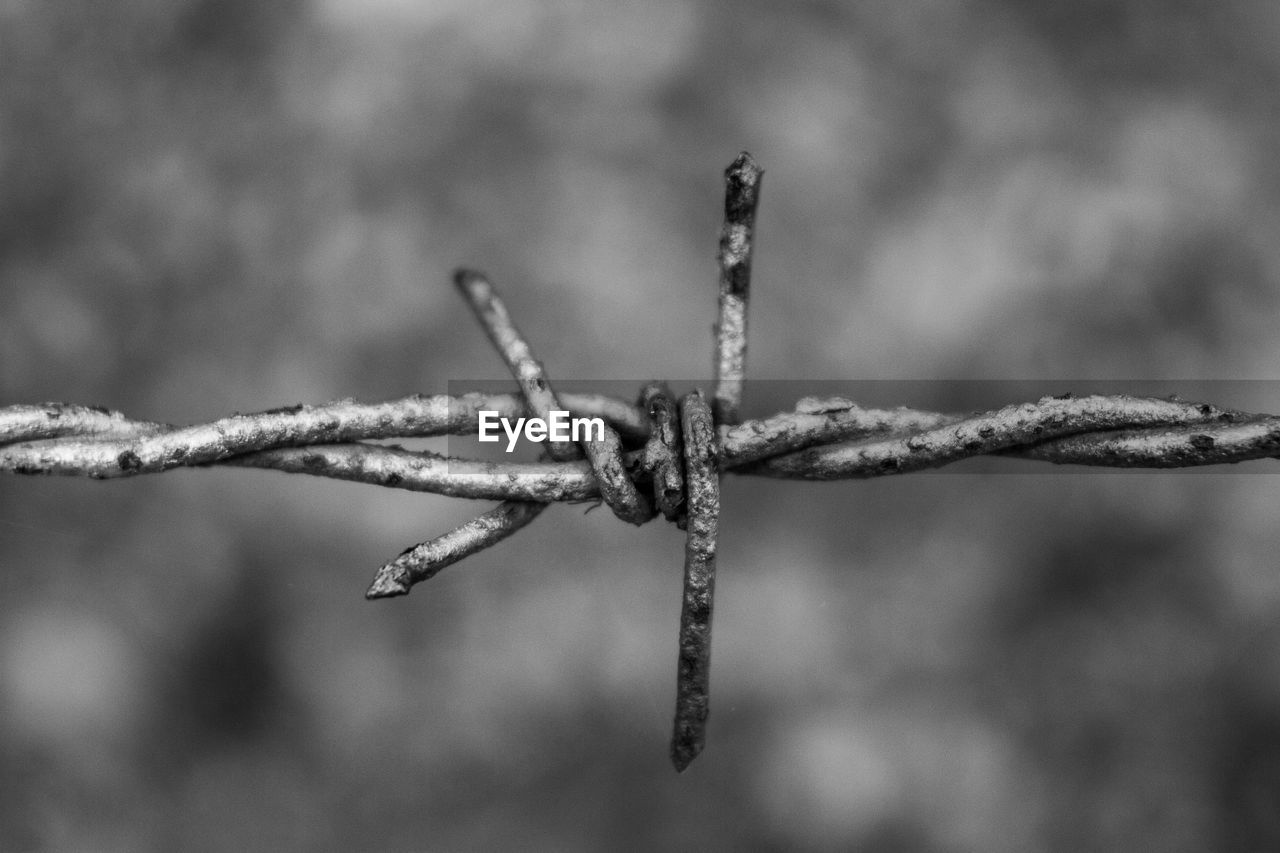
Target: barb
{"x":693,"y":681}
{"x":742,"y":193}
{"x":425,"y":560}
{"x":656,"y":457}
{"x":422,"y":562}
{"x":661,"y":459}
{"x":497,"y":324}
{"x":605,"y":454}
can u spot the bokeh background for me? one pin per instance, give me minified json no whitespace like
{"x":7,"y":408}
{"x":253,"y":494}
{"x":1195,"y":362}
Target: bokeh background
{"x":209,"y":207}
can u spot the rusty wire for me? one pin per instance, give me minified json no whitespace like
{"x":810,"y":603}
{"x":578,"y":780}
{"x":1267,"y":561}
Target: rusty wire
{"x":658,"y":456}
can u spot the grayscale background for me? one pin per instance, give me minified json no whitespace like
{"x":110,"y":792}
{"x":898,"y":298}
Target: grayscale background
{"x":209,"y":207}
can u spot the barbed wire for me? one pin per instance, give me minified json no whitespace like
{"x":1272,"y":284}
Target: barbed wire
{"x":657,"y":456}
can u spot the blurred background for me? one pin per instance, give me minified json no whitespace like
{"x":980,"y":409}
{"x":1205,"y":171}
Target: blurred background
{"x":210,"y":206}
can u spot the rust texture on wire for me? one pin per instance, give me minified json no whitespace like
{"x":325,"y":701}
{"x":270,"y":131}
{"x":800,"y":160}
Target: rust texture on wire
{"x":741,"y":195}
{"x":656,"y":457}
{"x":693,"y":676}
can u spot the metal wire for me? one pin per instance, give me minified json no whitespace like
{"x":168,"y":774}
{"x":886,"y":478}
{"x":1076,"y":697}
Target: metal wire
{"x":852,"y":441}
{"x":647,"y":463}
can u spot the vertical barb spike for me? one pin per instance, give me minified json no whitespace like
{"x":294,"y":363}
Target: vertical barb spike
{"x":737,"y":236}
{"x":661,"y":458}
{"x":693,"y":681}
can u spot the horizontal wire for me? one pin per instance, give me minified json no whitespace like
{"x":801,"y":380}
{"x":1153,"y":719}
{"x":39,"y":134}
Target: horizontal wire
{"x":61,"y":438}
{"x":1019,"y":425}
{"x":1183,"y":447}
{"x":80,"y":441}
{"x":55,"y":420}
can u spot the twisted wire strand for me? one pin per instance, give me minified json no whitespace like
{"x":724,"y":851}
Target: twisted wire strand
{"x":843,"y":440}
{"x":1018,"y":426}
{"x":63,"y":438}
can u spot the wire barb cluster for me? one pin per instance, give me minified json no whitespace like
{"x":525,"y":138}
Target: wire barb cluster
{"x":658,"y":456}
